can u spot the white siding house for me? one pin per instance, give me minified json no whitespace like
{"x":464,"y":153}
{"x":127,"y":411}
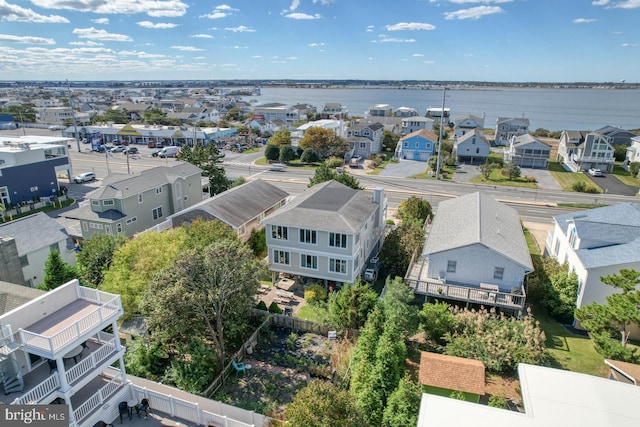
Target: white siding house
{"x":472,"y":147}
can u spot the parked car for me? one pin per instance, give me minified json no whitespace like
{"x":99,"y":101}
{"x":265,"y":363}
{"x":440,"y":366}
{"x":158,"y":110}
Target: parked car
{"x":118,"y":149}
{"x":55,"y":127}
{"x":130,"y":150}
{"x":169,"y":152}
{"x":84,"y":177}
{"x":595,"y":172}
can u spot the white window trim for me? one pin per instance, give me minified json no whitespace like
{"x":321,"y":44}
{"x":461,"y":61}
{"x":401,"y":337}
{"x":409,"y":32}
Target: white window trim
{"x":312,"y":257}
{"x":334,"y":261}
{"x":312,"y":234}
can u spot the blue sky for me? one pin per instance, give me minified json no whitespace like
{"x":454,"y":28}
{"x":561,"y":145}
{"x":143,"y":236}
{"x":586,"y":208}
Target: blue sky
{"x":481,"y":40}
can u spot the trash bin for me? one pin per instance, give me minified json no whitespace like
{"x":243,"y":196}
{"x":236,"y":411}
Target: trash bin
{"x":248,"y":349}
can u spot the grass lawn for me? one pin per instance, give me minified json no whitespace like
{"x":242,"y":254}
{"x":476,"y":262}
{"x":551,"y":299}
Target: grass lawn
{"x":567,"y":351}
{"x":379,"y":169}
{"x":446,"y":173}
{"x":496,"y":178}
{"x":314,"y":312}
{"x":50,"y":208}
{"x":567,"y":179}
{"x":625,"y":177}
{"x":292,"y":164}
{"x":531,"y":243}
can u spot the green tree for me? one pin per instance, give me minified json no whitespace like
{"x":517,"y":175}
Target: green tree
{"x":619,"y":152}
{"x":398,"y":248}
{"x":154,"y":116}
{"x":146,"y":360}
{"x":194,"y":369}
{"x":258,"y":242}
{"x":272,"y":152}
{"x":286,"y":154}
{"x":322,"y":404}
{"x":436,"y":320}
{"x":21,"y":113}
{"x":280,"y":138}
{"x":389,"y":141}
{"x":118,"y":115}
{"x":397,"y":307}
{"x":414,"y":209}
{"x":208,"y":158}
{"x":511,"y":170}
{"x":206,"y":293}
{"x":351,"y":305}
{"x":96,"y":256}
{"x":403,"y":404}
{"x":325,"y":142}
{"x":611,"y":324}
{"x":56,"y":272}
{"x":487,"y":168}
{"x":309,"y":156}
{"x":634,"y":168}
{"x":324,"y":173}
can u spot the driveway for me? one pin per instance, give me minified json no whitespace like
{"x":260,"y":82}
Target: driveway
{"x":611,"y":185}
{"x":404,"y":168}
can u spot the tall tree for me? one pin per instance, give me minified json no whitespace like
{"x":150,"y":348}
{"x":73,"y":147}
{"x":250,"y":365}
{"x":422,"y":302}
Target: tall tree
{"x":154,"y":116}
{"x":351,"y":305}
{"x":56,"y":272}
{"x":614,"y":320}
{"x":286,"y":154}
{"x":403,"y":404}
{"x":398,"y":248}
{"x":389,"y":141}
{"x":208,"y":158}
{"x":280,"y":138}
{"x":325,"y":142}
{"x":204,"y":293}
{"x":325,"y":173}
{"x":96,"y":256}
{"x":414,"y":209}
{"x":21,"y":113}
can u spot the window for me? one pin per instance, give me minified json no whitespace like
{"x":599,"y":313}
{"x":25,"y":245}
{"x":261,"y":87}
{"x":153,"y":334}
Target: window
{"x":108,"y":202}
{"x":158,"y":190}
{"x":33,"y":189}
{"x":406,"y":143}
{"x":85,"y":227}
{"x":309,"y":261}
{"x":280,"y":257}
{"x":119,"y":227}
{"x":139,"y":198}
{"x":107,"y":229}
{"x":242,"y":230}
{"x":95,"y":202}
{"x":279,"y":232}
{"x":498,"y":272}
{"x":54,"y":247}
{"x":477,"y":151}
{"x":338,"y":266}
{"x":24,"y":261}
{"x":451,"y":266}
{"x":132,"y":219}
{"x":337,"y":240}
{"x":417,"y":145}
{"x":157,"y":213}
{"x":308,"y":236}
{"x":96,"y":226}
{"x":573,"y":237}
{"x":363,"y":145}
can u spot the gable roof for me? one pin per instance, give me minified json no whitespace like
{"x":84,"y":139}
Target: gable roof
{"x":423,"y":133}
{"x":117,"y":186}
{"x":13,"y":296}
{"x":464,"y":117}
{"x":470,"y":135}
{"x":630,"y":370}
{"x":241,"y":204}
{"x":328,"y":206}
{"x":526,"y":139}
{"x":512,"y":119}
{"x":23,"y":230}
{"x":452,"y":373}
{"x":478,"y":219}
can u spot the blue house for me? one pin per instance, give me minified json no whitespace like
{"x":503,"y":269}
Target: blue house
{"x":7,"y":122}
{"x":419,"y":145}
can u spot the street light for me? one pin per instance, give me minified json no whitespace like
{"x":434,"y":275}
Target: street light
{"x":444,"y":95}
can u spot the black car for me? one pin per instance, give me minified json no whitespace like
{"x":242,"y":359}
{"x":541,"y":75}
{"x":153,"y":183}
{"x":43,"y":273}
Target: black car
{"x":130,"y":150}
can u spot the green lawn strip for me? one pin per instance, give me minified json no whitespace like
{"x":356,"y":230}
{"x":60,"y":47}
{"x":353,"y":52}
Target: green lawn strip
{"x":567,"y":179}
{"x":497,"y":178}
{"x":313,"y":313}
{"x":531,"y":243}
{"x":625,"y":177}
{"x":567,"y":351}
{"x":262,"y":161}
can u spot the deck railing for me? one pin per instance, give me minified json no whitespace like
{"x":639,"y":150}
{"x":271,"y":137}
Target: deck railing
{"x":91,"y":362}
{"x":98,"y":399}
{"x":71,"y":333}
{"x":39,"y":392}
{"x":514,"y":301}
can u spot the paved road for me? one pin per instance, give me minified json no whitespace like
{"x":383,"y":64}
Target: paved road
{"x":611,"y":185}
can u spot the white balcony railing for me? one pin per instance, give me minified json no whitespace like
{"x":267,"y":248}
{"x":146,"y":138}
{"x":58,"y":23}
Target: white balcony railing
{"x":486,"y":297}
{"x":98,"y":399}
{"x":39,"y":392}
{"x":91,"y":362}
{"x":55,"y":342}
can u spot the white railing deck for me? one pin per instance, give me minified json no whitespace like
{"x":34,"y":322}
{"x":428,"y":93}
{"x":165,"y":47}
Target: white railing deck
{"x":512,"y":301}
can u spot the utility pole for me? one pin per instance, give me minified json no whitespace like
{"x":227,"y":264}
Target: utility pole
{"x":444,"y":95}
{"x":73,"y":116}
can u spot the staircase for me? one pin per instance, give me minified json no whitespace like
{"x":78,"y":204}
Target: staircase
{"x":9,"y":371}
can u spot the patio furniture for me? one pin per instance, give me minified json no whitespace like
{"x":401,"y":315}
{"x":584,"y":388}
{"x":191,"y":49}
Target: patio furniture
{"x":53,"y":366}
{"x":74,"y":353}
{"x":102,"y":424}
{"x":239,"y":366}
{"x":123,"y":408}
{"x":144,"y":407}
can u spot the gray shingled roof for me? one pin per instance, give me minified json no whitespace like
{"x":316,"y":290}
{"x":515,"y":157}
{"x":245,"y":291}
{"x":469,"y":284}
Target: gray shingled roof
{"x":328,"y":206}
{"x":241,"y":204}
{"x":613,"y":233}
{"x":478,"y":219}
{"x":13,"y":296}
{"x":86,"y":213}
{"x":526,"y":139}
{"x":33,"y":232}
{"x":118,"y":186}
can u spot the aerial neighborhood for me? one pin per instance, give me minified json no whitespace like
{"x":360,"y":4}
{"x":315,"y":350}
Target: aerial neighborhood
{"x":193,"y":256}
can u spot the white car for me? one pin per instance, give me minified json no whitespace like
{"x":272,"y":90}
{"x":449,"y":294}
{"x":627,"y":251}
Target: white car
{"x":278,"y":167}
{"x":84,"y":177}
{"x":595,"y":172}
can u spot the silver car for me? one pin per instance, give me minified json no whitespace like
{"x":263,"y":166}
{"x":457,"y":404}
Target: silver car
{"x":84,"y":177}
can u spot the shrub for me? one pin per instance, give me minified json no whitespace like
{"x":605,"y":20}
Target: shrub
{"x":591,"y":190}
{"x":334,"y":162}
{"x":498,"y":401}
{"x":273,"y":308}
{"x":262,"y":306}
{"x":579,"y":187}
{"x":390,"y":222}
{"x":315,"y":293}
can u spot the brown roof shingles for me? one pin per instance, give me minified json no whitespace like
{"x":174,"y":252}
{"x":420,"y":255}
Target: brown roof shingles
{"x":452,"y":373}
{"x":628,"y":369}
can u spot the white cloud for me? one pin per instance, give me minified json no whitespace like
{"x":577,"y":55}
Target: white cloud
{"x":15,"y":13}
{"x":410,"y":26}
{"x":370,"y":28}
{"x":468,"y":54}
{"x":257,"y":56}
{"x":429,"y":62}
{"x":155,"y":8}
{"x":386,"y":39}
{"x":479,"y":1}
{"x":600,"y":2}
{"x":202,"y":36}
{"x":95,"y":34}
{"x":219,"y":12}
{"x":292,"y":58}
{"x":215,"y":15}
{"x":159,"y":25}
{"x":100,"y":21}
{"x":302,"y":16}
{"x":417,"y":55}
{"x":8,"y":38}
{"x":315,"y":44}
{"x":628,"y":4}
{"x":240,"y":29}
{"x":240,"y":47}
{"x":294,"y":5}
{"x":87,"y":43}
{"x":629,"y":44}
{"x":187,"y":48}
{"x":138,"y":54}
{"x":473,"y":12}
{"x":324,"y":2}
{"x":583,"y":20}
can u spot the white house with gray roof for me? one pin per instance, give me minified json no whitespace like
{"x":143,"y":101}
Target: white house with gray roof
{"x":130,"y":204}
{"x":25,"y":245}
{"x":241,"y":208}
{"x":527,"y":151}
{"x":596,"y":243}
{"x":475,"y":252}
{"x":327,"y":234}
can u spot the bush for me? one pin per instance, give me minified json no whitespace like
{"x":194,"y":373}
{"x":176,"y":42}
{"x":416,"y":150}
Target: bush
{"x":262,"y":306}
{"x":579,"y":187}
{"x":315,"y":293}
{"x":272,"y":152}
{"x":334,"y":162}
{"x":309,"y":156}
{"x":273,"y":308}
{"x":498,"y":401}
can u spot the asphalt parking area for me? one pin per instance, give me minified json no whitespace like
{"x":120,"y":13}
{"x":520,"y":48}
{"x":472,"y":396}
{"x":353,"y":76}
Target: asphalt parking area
{"x":612,"y":185}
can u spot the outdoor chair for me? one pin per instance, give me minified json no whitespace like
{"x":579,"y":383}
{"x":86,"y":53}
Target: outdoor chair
{"x":102,"y":424}
{"x":53,"y":366}
{"x":143,"y":407}
{"x":239,"y":367}
{"x":123,"y":408}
